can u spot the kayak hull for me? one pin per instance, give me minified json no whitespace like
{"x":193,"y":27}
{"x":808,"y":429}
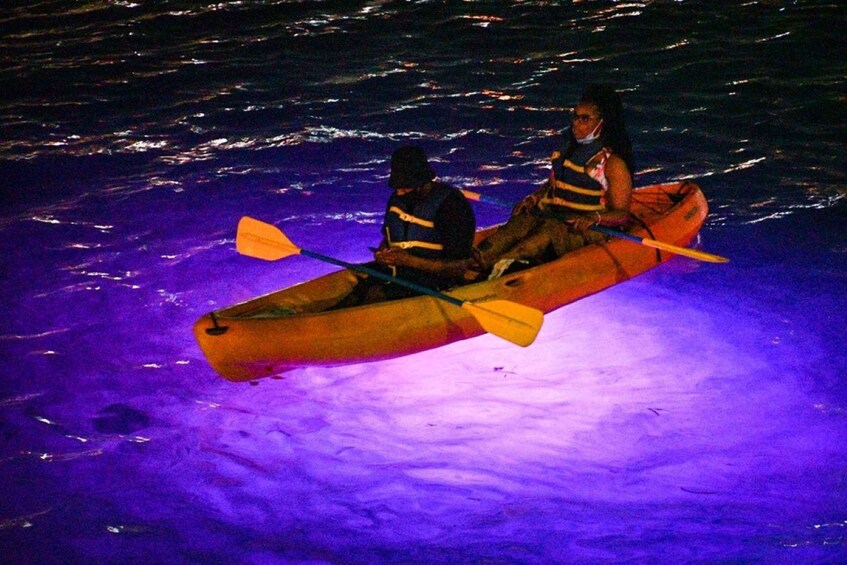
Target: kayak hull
{"x":290,"y":328}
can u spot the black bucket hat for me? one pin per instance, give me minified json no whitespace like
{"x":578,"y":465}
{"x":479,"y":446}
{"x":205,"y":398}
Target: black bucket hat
{"x":409,"y":168}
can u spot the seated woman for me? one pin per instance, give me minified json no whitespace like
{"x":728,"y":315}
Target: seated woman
{"x":590,"y":184}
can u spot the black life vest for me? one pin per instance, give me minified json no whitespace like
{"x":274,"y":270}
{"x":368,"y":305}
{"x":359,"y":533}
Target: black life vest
{"x":410,"y":222}
{"x":578,"y":183}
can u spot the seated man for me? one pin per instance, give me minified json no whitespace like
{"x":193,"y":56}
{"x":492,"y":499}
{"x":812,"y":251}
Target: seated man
{"x":428,"y":232}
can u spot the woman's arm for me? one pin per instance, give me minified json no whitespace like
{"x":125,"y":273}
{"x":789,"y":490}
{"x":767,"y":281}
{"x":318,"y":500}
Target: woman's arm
{"x":618,"y":198}
{"x":619,"y":195}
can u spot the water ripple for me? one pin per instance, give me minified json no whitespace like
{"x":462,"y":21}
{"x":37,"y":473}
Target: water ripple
{"x":10,"y":337}
{"x":137,"y":133}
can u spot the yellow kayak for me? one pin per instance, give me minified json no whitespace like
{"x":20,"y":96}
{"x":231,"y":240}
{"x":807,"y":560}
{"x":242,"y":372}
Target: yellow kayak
{"x":292,"y":327}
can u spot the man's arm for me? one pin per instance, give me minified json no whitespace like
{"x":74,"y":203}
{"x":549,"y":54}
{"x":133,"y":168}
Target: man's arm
{"x":455,"y":220}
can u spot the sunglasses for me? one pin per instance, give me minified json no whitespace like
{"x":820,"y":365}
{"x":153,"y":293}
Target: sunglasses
{"x":582,"y":118}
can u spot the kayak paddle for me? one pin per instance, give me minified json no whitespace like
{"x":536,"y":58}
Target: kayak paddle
{"x":685,"y":251}
{"x":511,"y":321}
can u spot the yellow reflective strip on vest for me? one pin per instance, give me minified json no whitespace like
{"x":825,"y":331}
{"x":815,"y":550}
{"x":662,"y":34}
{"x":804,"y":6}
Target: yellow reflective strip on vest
{"x":573,"y":166}
{"x":577,"y":189}
{"x":422,"y":244}
{"x":572,"y":205}
{"x":411,"y":219}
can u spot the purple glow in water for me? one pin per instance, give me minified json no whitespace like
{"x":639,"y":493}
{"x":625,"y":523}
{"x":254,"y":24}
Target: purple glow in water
{"x":665,"y":416}
{"x":693,"y":414}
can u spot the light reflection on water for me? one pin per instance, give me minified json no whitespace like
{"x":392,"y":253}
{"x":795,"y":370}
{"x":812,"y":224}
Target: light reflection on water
{"x":694,"y":413}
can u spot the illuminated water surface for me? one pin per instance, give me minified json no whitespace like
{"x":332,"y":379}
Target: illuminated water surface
{"x":696,"y":413}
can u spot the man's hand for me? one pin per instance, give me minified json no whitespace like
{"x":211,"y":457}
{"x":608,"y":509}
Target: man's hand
{"x":393,"y":257}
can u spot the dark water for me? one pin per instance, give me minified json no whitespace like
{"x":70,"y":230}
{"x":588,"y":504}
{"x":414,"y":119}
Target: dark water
{"x":695,"y":414}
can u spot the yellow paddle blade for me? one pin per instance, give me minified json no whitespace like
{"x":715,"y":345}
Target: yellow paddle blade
{"x":471,"y":195}
{"x":509,"y":320}
{"x":685,"y":251}
{"x":255,"y":238}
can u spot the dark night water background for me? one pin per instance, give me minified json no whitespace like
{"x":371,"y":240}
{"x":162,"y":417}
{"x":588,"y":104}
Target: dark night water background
{"x":695,"y":414}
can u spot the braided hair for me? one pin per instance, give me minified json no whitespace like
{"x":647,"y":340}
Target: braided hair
{"x":613,"y":134}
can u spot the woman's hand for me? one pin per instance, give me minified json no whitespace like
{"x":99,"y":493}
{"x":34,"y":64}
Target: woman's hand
{"x":584,"y":222}
{"x":525,"y":205}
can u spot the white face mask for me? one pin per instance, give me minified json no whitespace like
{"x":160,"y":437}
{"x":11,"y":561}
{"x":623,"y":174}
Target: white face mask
{"x":591,"y":137}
